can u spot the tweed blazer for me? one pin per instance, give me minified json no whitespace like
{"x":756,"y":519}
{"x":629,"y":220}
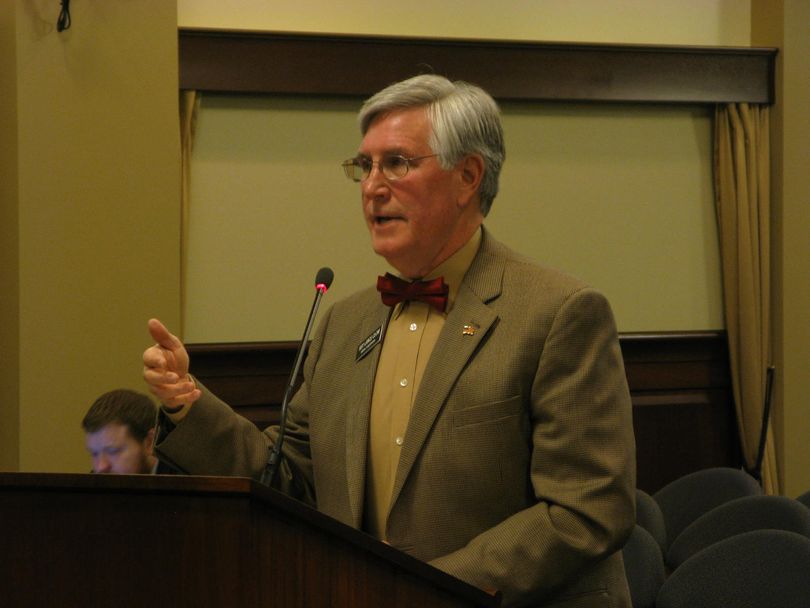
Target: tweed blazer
{"x":517,"y":472}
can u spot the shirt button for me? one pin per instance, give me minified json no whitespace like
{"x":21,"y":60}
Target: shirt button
{"x":403,"y":382}
{"x":413,"y":327}
{"x":398,"y":440}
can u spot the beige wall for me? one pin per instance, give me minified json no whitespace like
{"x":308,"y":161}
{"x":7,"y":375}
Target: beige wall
{"x":620,"y":196}
{"x":95,"y":168}
{"x":795,"y":257}
{"x":264,"y":172}
{"x":783,"y":23}
{"x":709,"y":22}
{"x":9,"y":254}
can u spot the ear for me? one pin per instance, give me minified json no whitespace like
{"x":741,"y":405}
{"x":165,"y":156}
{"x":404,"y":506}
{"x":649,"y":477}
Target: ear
{"x":472,"y":172}
{"x":149,"y":441}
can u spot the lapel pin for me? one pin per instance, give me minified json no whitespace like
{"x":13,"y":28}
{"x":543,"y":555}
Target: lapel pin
{"x":469,"y":330}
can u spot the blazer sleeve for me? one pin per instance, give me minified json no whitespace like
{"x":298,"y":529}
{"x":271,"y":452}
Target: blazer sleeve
{"x":582,"y":467}
{"x":214,"y":440}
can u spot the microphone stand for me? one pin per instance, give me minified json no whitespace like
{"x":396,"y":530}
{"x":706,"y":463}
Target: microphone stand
{"x":322,"y":282}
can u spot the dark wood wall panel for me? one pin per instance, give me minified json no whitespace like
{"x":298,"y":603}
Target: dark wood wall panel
{"x":313,"y":64}
{"x":683,"y":405}
{"x":683,"y":408}
{"x":250,"y":377}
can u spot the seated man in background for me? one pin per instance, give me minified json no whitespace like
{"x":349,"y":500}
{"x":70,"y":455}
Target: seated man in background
{"x":119,"y":433}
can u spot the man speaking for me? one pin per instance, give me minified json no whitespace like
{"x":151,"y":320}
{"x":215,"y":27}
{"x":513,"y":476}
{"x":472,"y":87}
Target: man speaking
{"x":472,"y":411}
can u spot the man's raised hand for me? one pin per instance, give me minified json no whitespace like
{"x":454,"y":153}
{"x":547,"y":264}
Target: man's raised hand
{"x":165,"y":368}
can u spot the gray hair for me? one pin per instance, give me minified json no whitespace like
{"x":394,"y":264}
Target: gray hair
{"x":464,"y":120}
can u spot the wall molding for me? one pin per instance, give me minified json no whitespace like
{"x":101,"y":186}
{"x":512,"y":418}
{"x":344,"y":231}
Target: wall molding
{"x":226,"y":61}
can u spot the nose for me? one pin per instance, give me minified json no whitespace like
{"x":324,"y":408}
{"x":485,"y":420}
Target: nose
{"x":375,"y":185}
{"x":102,"y":464}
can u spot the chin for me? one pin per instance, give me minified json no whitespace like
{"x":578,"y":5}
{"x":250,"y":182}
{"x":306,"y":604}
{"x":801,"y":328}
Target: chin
{"x":386,"y":250}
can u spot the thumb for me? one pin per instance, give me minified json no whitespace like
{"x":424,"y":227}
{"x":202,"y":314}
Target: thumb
{"x":162,"y":336}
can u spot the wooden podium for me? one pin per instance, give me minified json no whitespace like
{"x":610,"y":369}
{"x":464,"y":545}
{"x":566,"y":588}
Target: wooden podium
{"x":152,"y":540}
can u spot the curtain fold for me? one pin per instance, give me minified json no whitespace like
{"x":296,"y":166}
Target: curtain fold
{"x":189,"y":105}
{"x":742,"y":204}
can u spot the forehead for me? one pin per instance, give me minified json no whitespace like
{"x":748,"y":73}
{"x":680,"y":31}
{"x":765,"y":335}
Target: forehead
{"x":113,"y":434}
{"x":398,"y":131}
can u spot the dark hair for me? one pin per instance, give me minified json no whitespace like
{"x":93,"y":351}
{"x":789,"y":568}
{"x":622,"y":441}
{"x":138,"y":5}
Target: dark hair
{"x":129,"y":408}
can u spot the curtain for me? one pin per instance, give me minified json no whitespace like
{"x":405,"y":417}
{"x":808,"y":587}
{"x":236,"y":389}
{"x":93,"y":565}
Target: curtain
{"x":742,"y":202}
{"x":189,"y":105}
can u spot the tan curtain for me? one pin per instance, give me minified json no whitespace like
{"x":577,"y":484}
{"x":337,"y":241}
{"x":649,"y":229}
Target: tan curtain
{"x":742,"y":199}
{"x":189,"y":104}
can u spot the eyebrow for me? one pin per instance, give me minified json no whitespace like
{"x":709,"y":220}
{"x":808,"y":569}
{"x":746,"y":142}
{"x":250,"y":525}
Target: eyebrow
{"x":398,"y":151}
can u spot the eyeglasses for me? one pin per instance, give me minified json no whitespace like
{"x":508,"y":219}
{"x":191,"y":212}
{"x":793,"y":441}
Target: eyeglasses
{"x":393,"y":166}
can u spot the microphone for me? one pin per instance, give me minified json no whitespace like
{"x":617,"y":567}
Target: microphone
{"x":323,"y":280}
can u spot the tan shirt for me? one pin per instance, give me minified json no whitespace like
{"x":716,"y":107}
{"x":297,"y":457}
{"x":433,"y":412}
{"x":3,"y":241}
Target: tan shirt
{"x":410,"y":336}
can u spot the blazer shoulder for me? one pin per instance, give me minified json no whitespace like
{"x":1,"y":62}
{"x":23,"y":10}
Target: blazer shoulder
{"x":523,"y":272}
{"x":538,"y":277}
{"x":362,"y":299}
{"x":362,"y":304}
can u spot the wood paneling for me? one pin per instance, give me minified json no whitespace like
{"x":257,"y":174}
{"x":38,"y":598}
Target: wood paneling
{"x":312,"y":64}
{"x":249,"y":376}
{"x":683,"y":408}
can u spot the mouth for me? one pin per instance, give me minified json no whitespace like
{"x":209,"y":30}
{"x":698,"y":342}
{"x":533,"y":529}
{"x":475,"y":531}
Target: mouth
{"x":381,"y":220}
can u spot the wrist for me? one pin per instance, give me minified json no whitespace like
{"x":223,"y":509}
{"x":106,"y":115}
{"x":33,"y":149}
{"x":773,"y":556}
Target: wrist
{"x":172,"y":410}
{"x":179,"y":411}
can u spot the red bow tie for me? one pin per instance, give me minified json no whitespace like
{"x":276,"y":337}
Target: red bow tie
{"x":394,"y":290}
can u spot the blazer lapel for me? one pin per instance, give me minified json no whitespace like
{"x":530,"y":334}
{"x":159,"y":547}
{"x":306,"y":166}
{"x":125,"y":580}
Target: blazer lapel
{"x":357,"y":419}
{"x":467,"y":324}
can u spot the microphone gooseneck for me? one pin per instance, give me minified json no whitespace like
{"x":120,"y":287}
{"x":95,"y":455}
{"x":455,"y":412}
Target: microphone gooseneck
{"x":323,"y":280}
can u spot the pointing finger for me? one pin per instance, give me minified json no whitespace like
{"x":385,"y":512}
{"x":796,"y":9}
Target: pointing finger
{"x":162,"y":336}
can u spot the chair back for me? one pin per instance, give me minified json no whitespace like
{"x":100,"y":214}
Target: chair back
{"x":759,"y":569}
{"x":684,"y":500}
{"x":738,"y":516}
{"x":650,"y":517}
{"x":644,"y":567}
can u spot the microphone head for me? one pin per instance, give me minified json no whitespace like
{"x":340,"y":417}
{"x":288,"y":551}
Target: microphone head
{"x":323,"y":280}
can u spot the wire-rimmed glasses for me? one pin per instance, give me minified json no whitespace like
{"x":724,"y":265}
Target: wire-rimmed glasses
{"x":393,"y":166}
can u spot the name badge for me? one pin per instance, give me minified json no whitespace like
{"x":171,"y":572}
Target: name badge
{"x":367,"y":345}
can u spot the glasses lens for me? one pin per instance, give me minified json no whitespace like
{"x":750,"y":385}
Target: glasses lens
{"x":394,"y":167}
{"x":364,"y":166}
{"x":352,"y":169}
